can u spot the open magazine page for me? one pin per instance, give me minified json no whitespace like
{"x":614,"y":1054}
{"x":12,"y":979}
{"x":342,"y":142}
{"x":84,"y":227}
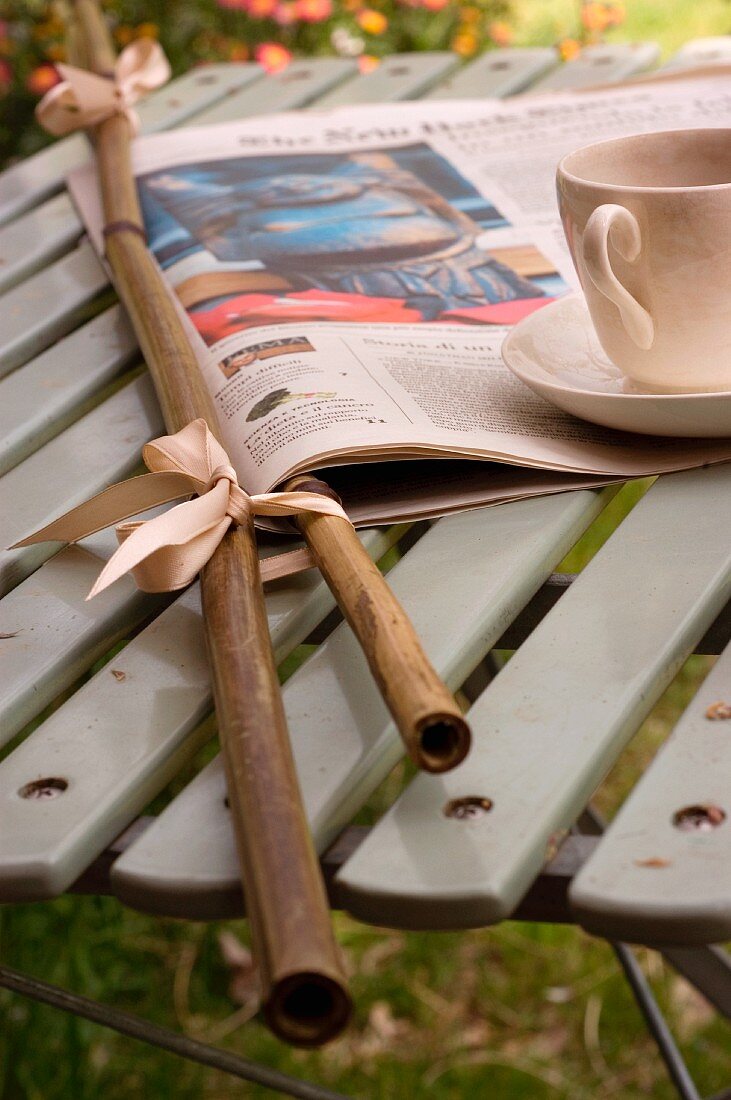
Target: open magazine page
{"x":347,"y":277}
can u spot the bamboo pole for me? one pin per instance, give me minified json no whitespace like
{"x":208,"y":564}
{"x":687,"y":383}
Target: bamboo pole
{"x":303,"y":985}
{"x":431,"y":725}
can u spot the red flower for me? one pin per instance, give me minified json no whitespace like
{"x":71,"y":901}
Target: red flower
{"x":284,"y":15}
{"x":42,"y":79}
{"x":6,"y":76}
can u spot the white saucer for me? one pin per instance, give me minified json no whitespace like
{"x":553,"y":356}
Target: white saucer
{"x":556,"y":352}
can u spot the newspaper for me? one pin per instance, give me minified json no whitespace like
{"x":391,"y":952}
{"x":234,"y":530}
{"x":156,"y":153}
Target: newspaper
{"x":347,"y":278}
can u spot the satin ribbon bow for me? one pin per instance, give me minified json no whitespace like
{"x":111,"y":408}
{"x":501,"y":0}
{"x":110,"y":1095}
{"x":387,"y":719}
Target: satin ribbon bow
{"x":166,"y":553}
{"x":85,"y":99}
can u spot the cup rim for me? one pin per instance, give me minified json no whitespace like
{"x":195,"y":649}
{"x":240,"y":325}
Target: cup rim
{"x":562,"y":171}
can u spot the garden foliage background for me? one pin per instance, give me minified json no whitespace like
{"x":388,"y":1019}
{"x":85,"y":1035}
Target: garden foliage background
{"x":194,"y":32}
{"x":527,"y":1011}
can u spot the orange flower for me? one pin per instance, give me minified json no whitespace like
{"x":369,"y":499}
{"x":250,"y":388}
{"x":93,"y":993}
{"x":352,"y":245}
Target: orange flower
{"x":147,"y":30}
{"x":272,"y":57}
{"x":435,"y":5}
{"x":594,"y":16}
{"x":261,"y":9}
{"x":372,"y":22}
{"x":500,"y":33}
{"x":367,"y":63}
{"x":313,"y":11}
{"x":464,"y":43}
{"x":569,"y":48}
{"x":42,"y":79}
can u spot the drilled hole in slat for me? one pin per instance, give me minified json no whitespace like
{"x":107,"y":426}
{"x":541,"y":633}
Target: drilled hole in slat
{"x":699,"y":818}
{"x":43,"y":789}
{"x":469,"y":808}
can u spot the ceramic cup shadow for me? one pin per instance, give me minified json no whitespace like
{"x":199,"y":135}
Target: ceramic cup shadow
{"x":648,"y":222}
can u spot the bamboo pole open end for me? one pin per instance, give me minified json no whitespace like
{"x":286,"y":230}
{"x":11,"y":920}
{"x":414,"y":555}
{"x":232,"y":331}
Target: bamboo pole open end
{"x":308,"y":1009}
{"x":442,"y":742}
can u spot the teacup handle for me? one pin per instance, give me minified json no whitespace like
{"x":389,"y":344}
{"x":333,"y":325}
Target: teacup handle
{"x":627,"y":240}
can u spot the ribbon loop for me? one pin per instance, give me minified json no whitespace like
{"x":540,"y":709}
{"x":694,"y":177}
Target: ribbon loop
{"x":84,"y":99}
{"x":166,"y":553}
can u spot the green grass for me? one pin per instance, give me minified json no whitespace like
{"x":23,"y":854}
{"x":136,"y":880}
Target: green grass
{"x":520,"y":1011}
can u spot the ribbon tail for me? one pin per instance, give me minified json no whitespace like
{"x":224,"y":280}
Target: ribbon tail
{"x":118,"y":502}
{"x":180,"y":541}
{"x":58,"y":111}
{"x":288,"y":564}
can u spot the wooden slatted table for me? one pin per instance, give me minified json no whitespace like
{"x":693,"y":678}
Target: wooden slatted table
{"x":76,"y":408}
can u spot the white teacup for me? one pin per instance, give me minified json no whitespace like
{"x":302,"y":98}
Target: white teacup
{"x":648,"y":222}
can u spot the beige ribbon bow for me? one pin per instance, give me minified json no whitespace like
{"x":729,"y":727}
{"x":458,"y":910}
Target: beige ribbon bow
{"x":85,"y":99}
{"x":167,"y":552}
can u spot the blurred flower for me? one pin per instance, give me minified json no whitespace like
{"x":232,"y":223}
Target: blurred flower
{"x":597,"y":15}
{"x":345,"y":43}
{"x":593,"y":17}
{"x":272,"y":56}
{"x":372,"y":22}
{"x":6,"y":77}
{"x":313,"y":11}
{"x":569,"y":48}
{"x":124,"y":35}
{"x":233,"y":5}
{"x":261,"y":9}
{"x":284,"y":15}
{"x":465,"y":43}
{"x":42,"y":79}
{"x":435,"y":5}
{"x":367,"y":63}
{"x":148,"y":30}
{"x":500,"y":33}
{"x":239,"y":52}
{"x":470,"y":15}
